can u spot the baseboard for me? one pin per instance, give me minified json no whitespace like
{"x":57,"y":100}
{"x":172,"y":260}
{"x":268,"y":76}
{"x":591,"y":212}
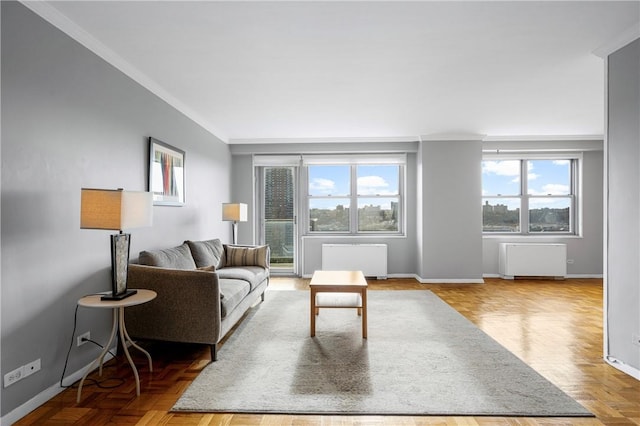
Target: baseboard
{"x":625,"y":368}
{"x":585,"y":276}
{"x":569,"y":276}
{"x":44,"y":396}
{"x":450,"y":280}
{"x":473,"y":281}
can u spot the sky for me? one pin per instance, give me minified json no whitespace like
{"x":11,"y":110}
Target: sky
{"x":334,"y":181}
{"x":544,"y":177}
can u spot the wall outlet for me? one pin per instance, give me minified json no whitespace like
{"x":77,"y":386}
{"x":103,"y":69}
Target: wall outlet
{"x":84,"y":338}
{"x":32,"y":367}
{"x":13,"y":376}
{"x":22,"y":372}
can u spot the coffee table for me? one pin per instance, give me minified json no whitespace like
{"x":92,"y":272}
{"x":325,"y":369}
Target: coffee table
{"x":332,"y":283}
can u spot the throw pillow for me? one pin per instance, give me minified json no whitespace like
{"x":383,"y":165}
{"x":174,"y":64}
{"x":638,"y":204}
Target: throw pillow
{"x":206,"y":253}
{"x":246,"y":256}
{"x":173,"y":258}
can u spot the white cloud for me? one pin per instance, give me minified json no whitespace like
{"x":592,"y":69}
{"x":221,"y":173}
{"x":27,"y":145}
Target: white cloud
{"x":551,"y":189}
{"x":561,"y":162}
{"x":372,"y":185}
{"x":323,"y":186}
{"x":501,"y":168}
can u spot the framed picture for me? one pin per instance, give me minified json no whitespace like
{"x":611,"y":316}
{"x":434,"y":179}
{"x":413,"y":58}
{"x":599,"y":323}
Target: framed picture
{"x":166,"y":174}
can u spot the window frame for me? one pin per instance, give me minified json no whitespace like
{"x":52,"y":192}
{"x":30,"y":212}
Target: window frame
{"x":353,"y":162}
{"x":574,"y":196}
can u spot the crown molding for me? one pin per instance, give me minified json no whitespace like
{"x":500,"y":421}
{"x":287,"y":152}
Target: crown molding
{"x":630,"y":34}
{"x":323,"y":140}
{"x":530,"y":138}
{"x":59,"y":20}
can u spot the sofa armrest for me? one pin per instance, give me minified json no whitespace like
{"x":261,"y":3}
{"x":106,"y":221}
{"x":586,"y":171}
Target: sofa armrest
{"x":187,"y":308}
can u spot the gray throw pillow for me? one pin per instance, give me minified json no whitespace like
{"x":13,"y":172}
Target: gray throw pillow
{"x":207,"y":253}
{"x":172,"y":258}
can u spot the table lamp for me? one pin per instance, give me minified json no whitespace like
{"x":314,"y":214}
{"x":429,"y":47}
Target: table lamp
{"x":234,"y":212}
{"x":116,"y":209}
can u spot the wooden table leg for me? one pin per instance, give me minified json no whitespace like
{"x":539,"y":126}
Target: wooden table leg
{"x":313,"y":312}
{"x":364,"y":313}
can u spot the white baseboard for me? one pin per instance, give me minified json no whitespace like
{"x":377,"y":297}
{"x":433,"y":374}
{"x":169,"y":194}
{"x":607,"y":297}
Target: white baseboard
{"x":585,"y":276}
{"x":627,"y":369}
{"x":44,"y":396}
{"x":450,"y":280}
{"x":473,"y":281}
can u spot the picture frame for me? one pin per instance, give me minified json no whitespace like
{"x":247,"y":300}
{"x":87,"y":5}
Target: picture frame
{"x":166,"y":174}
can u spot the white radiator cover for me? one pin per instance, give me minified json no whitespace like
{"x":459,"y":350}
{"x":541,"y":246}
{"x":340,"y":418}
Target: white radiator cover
{"x":371,"y":259}
{"x":532,"y":260}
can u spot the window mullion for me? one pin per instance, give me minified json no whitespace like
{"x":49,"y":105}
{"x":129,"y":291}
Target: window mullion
{"x":524,"y":197}
{"x":353,"y":212}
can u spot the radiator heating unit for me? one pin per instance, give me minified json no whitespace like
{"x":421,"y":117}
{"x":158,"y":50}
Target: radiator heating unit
{"x":532,"y":260}
{"x":371,"y":259}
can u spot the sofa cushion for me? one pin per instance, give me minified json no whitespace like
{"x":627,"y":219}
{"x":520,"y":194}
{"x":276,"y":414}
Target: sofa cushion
{"x":232,"y":292}
{"x":172,"y":258}
{"x":207,"y":253}
{"x":246,"y":256}
{"x":254,"y":275}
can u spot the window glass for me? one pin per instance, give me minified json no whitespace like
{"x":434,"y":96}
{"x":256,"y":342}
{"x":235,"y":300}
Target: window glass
{"x":378,"y":214}
{"x":549,"y":214}
{"x":501,"y":215}
{"x":501,"y":177}
{"x":529,"y":195}
{"x":549,"y":177}
{"x":378,"y":180}
{"x":329,"y":214}
{"x":329,"y":180}
{"x":355,"y":197}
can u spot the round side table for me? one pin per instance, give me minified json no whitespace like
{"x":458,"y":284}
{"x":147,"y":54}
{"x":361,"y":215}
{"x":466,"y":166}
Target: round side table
{"x":95,"y":301}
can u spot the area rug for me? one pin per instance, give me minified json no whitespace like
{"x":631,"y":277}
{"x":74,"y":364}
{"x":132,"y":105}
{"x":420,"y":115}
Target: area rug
{"x":421,"y":358}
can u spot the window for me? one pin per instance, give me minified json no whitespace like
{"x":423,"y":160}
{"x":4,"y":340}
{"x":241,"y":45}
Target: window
{"x":354,"y":196}
{"x":529,"y":195}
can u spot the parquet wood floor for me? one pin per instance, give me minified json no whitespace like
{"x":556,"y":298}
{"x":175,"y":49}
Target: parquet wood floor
{"x":554,"y":326}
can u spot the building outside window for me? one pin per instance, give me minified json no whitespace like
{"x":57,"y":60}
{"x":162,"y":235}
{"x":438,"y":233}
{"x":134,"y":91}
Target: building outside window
{"x":529,"y":195}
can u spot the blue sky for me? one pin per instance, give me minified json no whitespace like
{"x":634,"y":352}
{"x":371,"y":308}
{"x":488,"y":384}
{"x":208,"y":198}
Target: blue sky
{"x":334,"y":181}
{"x":545,"y":177}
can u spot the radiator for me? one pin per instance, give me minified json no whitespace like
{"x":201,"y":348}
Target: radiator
{"x":532,"y":260}
{"x":371,"y":259}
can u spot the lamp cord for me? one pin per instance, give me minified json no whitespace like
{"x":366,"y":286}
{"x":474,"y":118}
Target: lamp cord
{"x":98,"y":383}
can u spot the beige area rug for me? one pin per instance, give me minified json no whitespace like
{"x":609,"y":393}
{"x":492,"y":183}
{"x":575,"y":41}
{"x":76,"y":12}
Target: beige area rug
{"x":421,"y":358}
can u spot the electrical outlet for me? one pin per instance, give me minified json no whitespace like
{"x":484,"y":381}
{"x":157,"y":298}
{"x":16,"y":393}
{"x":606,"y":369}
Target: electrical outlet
{"x":32,"y":367}
{"x":13,"y":376}
{"x":84,"y":338}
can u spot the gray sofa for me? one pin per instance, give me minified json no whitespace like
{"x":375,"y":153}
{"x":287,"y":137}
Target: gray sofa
{"x":203,"y":287}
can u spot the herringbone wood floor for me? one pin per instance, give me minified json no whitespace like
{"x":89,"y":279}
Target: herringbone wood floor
{"x":554,"y":326}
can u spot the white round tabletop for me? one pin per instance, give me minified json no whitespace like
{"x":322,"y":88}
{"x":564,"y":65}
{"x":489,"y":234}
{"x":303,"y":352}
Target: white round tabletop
{"x":95,"y":300}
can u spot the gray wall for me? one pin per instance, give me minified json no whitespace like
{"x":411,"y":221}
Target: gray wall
{"x":69,"y":120}
{"x":623,"y":208}
{"x":451,"y":211}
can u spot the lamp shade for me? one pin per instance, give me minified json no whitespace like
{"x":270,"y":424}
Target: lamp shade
{"x":115,"y":209}
{"x":236,"y":212}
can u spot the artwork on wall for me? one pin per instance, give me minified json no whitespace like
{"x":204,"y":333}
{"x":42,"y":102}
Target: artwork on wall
{"x":166,"y":174}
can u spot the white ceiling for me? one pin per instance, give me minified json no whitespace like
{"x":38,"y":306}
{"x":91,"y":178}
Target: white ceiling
{"x":310,"y":70}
